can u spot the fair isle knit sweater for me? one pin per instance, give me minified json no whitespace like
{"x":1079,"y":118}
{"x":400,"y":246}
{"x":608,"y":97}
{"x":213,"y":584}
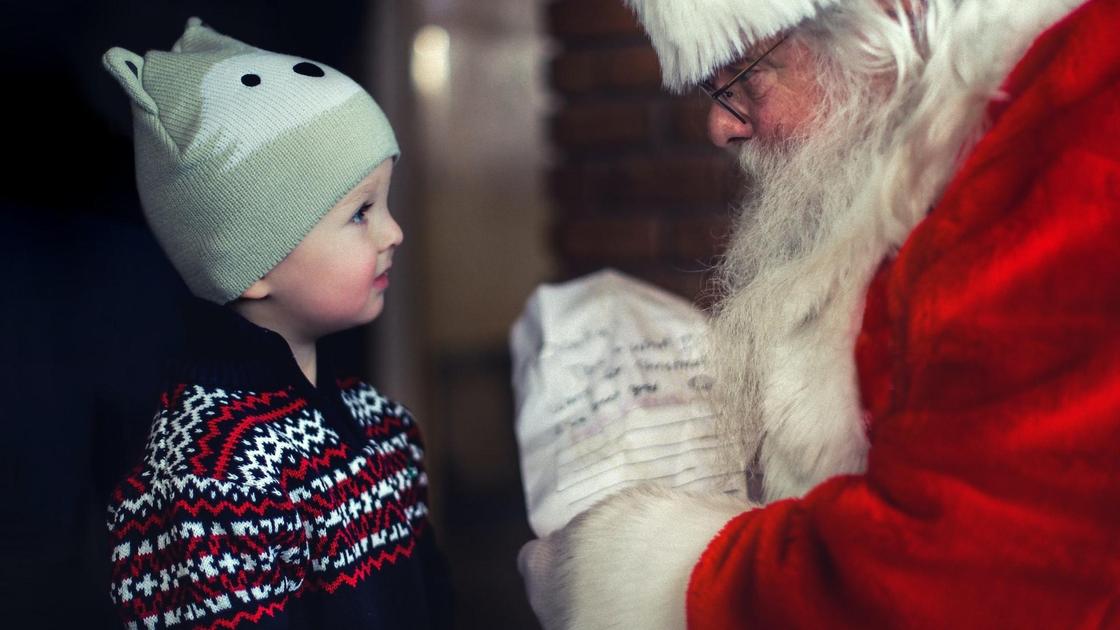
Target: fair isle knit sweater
{"x":263,"y":501}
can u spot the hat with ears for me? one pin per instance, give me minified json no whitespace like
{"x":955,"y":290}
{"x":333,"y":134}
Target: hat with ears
{"x":240,"y":151}
{"x":693,"y":38}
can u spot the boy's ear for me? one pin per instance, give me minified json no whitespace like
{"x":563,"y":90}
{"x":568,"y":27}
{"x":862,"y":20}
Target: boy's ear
{"x":259,"y":290}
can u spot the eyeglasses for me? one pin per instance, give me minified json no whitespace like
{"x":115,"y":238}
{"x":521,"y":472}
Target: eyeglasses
{"x":723,"y":94}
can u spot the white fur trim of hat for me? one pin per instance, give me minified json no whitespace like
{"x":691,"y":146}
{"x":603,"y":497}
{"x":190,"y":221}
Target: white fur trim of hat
{"x":695,"y":37}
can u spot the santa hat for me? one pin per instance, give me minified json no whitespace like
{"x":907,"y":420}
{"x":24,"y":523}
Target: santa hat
{"x":695,"y":37}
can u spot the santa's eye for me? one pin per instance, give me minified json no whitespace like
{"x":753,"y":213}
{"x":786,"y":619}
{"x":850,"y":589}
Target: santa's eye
{"x":752,"y":84}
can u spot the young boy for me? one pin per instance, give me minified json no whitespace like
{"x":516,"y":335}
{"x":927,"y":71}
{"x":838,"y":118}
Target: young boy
{"x":273,"y":492}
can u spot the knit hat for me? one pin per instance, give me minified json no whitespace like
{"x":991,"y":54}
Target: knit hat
{"x":693,"y":38}
{"x":240,"y":152}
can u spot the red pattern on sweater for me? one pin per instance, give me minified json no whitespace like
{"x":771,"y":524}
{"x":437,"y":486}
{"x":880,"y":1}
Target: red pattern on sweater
{"x":245,"y":499}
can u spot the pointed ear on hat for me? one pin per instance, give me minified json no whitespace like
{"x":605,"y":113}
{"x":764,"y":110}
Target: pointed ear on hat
{"x":128,"y":69}
{"x":198,"y":37}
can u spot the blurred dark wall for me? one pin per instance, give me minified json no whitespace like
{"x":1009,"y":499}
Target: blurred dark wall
{"x":88,"y":312}
{"x":89,"y":306}
{"x":636,"y":183}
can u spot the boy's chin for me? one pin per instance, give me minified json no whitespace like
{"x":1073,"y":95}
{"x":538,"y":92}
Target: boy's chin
{"x":339,"y":321}
{"x":369,"y":311}
{"x":374,"y":308}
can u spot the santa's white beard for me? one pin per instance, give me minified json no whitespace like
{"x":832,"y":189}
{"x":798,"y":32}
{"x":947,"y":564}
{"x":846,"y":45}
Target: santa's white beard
{"x":785,"y":263}
{"x":904,"y":99}
{"x":797,"y":190}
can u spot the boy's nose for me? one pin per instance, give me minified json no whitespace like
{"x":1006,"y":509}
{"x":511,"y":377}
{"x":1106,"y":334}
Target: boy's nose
{"x":391,"y":235}
{"x":724,"y":129}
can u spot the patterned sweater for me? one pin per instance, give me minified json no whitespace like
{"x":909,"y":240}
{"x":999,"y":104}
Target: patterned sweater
{"x":263,"y":501}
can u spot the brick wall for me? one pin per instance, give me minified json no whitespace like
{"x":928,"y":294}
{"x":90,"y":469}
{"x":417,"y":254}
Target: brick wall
{"x":636,"y":184}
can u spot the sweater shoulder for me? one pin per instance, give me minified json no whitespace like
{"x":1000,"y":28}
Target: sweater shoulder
{"x":367,"y":405}
{"x":240,"y":438}
{"x":380,"y":417}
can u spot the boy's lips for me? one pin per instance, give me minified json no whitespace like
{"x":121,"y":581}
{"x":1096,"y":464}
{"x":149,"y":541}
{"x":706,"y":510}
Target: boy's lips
{"x":381,"y":282}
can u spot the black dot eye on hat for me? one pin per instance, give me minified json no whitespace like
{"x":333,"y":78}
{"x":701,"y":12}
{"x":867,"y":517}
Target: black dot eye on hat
{"x":251,"y":80}
{"x":308,"y":69}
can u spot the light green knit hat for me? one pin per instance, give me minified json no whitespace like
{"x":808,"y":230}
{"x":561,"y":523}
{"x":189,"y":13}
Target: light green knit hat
{"x":240,"y":152}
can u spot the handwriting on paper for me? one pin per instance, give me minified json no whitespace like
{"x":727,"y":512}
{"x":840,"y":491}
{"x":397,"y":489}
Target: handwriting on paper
{"x":613,"y":390}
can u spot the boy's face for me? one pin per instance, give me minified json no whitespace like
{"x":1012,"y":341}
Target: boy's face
{"x":336,"y":278}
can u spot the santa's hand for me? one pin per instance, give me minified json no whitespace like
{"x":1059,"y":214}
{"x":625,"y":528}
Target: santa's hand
{"x":537,"y":562}
{"x":626,"y":562}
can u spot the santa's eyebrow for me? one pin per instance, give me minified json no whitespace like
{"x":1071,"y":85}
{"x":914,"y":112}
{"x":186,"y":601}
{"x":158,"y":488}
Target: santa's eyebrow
{"x":755,"y":53}
{"x":747,"y":61}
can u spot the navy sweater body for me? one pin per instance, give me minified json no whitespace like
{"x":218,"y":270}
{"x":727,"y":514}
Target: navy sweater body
{"x":264,"y":501}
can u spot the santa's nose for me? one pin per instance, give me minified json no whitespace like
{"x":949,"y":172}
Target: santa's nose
{"x":724,"y":129}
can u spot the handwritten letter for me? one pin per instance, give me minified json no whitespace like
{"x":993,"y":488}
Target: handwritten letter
{"x":611,"y":382}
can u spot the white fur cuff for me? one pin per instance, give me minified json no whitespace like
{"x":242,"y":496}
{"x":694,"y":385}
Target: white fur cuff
{"x":626,"y":563}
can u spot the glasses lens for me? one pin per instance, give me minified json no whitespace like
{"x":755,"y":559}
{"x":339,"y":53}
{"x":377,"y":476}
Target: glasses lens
{"x":723,"y":99}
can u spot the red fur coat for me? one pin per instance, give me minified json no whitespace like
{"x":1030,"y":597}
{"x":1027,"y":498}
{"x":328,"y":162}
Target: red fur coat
{"x":989,"y":362}
{"x":987,"y":486}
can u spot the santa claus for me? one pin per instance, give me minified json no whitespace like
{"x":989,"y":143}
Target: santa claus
{"x":918,"y":338}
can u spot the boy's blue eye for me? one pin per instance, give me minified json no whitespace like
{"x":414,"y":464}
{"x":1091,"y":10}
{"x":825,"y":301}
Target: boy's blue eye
{"x":360,"y":215}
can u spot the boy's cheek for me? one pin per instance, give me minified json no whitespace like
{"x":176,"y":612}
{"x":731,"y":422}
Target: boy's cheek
{"x":349,"y":295}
